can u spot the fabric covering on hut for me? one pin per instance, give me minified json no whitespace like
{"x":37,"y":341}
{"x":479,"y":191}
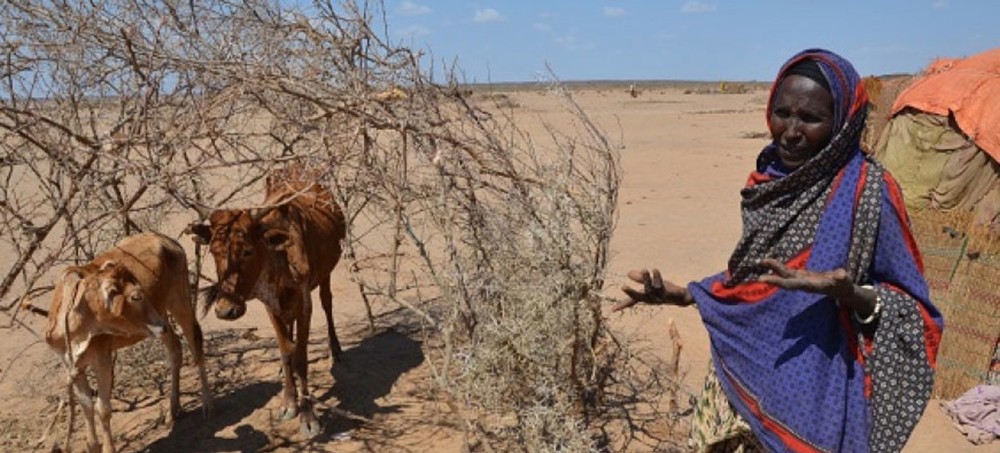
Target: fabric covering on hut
{"x":942,"y":144}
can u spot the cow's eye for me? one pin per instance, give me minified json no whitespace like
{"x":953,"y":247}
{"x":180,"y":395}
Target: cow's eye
{"x":135,"y":297}
{"x":247,"y":253}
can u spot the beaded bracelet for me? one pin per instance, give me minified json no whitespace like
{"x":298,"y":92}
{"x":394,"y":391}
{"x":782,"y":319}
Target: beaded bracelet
{"x":876,"y":311}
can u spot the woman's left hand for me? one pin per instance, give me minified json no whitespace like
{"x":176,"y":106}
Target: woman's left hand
{"x":837,"y":284}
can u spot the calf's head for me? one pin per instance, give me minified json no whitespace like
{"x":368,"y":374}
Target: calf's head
{"x":119,"y":301}
{"x":107,"y":296}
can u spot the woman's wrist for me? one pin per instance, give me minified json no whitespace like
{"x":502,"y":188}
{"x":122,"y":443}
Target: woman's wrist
{"x":863,"y":300}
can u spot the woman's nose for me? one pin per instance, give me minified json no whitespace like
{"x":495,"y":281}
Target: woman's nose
{"x":792,"y":131}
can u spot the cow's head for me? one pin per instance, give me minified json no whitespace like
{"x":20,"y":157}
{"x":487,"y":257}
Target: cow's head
{"x":241,"y":243}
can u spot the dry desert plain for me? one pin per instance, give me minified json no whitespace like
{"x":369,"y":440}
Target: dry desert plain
{"x":687,"y":149}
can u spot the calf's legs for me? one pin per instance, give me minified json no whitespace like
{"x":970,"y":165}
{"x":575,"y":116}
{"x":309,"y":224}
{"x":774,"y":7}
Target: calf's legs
{"x":104,"y":371}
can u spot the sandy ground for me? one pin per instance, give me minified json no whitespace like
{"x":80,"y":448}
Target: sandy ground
{"x":685,"y":158}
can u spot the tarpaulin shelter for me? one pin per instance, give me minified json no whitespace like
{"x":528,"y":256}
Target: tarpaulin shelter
{"x":943,"y":141}
{"x":942,"y":144}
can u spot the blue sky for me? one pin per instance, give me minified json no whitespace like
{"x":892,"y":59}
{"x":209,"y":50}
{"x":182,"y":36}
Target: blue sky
{"x":502,"y":41}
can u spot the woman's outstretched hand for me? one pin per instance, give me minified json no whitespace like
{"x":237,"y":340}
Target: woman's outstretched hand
{"x":836,"y":283}
{"x":654,"y":291}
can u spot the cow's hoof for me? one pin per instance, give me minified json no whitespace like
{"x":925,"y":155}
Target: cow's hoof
{"x":287,"y":413}
{"x":309,"y":425}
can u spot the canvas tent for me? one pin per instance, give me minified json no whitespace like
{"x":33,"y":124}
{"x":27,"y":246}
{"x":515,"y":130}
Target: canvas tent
{"x":942,"y":144}
{"x":943,"y":141}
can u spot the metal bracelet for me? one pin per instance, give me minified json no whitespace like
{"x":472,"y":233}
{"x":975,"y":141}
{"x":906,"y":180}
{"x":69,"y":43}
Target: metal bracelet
{"x":876,"y":311}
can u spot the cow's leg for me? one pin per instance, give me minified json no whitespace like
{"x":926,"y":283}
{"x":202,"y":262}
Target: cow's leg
{"x":326,"y":298}
{"x":85,"y":396}
{"x":175,"y":357}
{"x":104,"y":371}
{"x":307,"y":418}
{"x":196,"y":343}
{"x":286,"y":347}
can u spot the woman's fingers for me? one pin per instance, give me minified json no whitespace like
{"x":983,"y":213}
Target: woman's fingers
{"x":623,"y":304}
{"x":657,"y":281}
{"x":777,"y":267}
{"x":638,"y":275}
{"x":776,"y":280}
{"x":654,"y":290}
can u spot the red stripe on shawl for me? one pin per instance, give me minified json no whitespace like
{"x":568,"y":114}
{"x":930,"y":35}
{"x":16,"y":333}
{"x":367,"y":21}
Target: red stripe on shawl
{"x":756,"y":291}
{"x":786,"y":436}
{"x":896,"y":198}
{"x":862,"y":178}
{"x":757,"y":177}
{"x":844,"y":317}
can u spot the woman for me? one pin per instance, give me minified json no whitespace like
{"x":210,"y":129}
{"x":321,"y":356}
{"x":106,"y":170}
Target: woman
{"x":822,"y":334}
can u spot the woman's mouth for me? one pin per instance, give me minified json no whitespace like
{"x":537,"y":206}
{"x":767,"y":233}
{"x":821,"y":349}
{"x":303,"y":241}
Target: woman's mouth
{"x":793,"y":158}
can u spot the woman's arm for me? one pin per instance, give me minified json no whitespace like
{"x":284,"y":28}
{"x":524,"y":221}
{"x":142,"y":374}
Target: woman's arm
{"x":836,"y":283}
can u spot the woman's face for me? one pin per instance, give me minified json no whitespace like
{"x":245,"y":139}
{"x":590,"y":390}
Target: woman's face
{"x":801,"y":119}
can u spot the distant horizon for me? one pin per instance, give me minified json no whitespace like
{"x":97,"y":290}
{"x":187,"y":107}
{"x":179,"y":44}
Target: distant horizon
{"x":640,"y":82}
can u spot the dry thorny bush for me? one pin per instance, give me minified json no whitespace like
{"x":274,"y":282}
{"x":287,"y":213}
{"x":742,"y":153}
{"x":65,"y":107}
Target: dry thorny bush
{"x":120,"y":116}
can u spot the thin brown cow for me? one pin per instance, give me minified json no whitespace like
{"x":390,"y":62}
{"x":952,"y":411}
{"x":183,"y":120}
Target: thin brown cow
{"x":121,"y":298}
{"x":278,"y":254}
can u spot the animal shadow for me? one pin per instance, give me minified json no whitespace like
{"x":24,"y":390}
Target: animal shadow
{"x":367,"y":372}
{"x":194,"y":433}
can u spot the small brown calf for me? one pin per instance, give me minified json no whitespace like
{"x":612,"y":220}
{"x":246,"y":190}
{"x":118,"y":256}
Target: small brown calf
{"x":121,"y":298}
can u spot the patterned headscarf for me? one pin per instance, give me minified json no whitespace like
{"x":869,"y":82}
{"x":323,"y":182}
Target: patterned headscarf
{"x":780,"y":215}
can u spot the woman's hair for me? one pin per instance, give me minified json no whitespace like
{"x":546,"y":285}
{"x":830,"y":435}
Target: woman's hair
{"x":809,"y":69}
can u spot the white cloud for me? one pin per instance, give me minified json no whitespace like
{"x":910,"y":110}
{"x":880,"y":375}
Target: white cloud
{"x":940,"y":4}
{"x":413,"y":31}
{"x":408,"y":8}
{"x":612,"y":11}
{"x":695,"y":7}
{"x":570,"y":42}
{"x":487,"y":15}
{"x":541,"y":26}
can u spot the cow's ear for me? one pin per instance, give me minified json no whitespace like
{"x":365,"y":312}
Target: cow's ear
{"x":200,"y":233}
{"x":276,"y":240}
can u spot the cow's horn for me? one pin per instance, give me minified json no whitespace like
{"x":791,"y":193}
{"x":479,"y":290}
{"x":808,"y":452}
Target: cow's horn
{"x":203,"y":211}
{"x":257,"y":213}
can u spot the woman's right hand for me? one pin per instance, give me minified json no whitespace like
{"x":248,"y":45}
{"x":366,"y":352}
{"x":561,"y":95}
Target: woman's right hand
{"x":654,"y":291}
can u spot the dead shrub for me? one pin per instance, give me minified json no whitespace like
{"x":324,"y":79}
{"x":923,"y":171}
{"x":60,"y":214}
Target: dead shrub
{"x":119,"y":116}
